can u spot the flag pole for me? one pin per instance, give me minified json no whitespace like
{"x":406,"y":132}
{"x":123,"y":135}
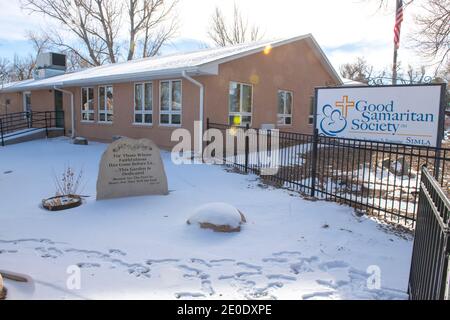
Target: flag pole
{"x":394,"y":64}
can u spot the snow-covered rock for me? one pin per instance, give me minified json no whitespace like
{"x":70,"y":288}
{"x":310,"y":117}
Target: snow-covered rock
{"x":218,"y":216}
{"x":80,"y":141}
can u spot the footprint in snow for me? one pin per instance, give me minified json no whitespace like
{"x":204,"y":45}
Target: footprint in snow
{"x":17,"y":241}
{"x":287,"y":253}
{"x":304,"y":265}
{"x":280,"y":277}
{"x":226,"y":277}
{"x":139,"y":270}
{"x":48,"y":252}
{"x":249,"y":266}
{"x":277,"y":260}
{"x":190,"y":269}
{"x":207,"y":287}
{"x":117,"y":251}
{"x":333,"y":265}
{"x":156,"y":261}
{"x":264,"y":292}
{"x":188,"y":295}
{"x":88,"y":265}
{"x":201,"y":261}
{"x":89,"y":253}
{"x":332,"y":284}
{"x":317,"y":295}
{"x":8,"y":251}
{"x":220,"y":262}
{"x":246,"y":274}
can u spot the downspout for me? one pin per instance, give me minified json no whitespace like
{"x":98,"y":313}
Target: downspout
{"x":72,"y":112}
{"x":201,"y":116}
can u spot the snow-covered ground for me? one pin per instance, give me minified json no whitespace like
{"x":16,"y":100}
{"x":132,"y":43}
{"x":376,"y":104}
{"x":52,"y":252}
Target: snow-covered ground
{"x":142,"y":248}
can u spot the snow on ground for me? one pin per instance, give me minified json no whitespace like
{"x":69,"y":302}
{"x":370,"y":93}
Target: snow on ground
{"x":142,"y":248}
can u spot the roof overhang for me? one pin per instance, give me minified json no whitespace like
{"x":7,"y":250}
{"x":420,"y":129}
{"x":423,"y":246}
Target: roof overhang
{"x":208,"y":67}
{"x":45,"y":84}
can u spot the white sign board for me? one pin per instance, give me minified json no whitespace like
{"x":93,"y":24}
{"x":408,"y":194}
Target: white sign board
{"x":400,"y":114}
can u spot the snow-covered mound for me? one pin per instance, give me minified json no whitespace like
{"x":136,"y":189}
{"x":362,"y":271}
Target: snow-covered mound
{"x":218,"y":216}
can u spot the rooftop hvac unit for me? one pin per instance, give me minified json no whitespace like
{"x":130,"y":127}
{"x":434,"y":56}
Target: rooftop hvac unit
{"x":47,"y":73}
{"x":51,"y":60}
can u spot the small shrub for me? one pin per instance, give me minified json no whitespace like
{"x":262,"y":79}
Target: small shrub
{"x":69,"y":182}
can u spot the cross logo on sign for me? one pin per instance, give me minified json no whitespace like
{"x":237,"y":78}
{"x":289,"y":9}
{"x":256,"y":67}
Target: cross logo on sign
{"x":345,"y":105}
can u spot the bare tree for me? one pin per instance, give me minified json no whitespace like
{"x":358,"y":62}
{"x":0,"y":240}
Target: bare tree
{"x":362,"y":71}
{"x":96,"y":25}
{"x":23,"y":67}
{"x":444,"y":74}
{"x":147,"y":25}
{"x":415,"y":75}
{"x":71,"y":14}
{"x":433,"y":35}
{"x":5,"y":69}
{"x":239,"y":31}
{"x":359,"y":70}
{"x":105,"y":20}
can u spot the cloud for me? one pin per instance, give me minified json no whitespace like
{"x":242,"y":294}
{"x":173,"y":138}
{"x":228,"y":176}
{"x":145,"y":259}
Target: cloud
{"x":346,"y":28}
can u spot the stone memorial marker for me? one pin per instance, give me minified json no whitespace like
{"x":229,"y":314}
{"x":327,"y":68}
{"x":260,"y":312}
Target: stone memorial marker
{"x":131,"y":168}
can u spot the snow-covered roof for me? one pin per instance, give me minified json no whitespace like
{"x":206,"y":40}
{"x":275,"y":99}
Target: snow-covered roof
{"x":203,"y":62}
{"x":350,"y":82}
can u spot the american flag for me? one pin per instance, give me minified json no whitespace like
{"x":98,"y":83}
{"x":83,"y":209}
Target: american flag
{"x":398,"y":23}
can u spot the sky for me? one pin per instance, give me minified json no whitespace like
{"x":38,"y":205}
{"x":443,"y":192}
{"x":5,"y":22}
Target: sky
{"x":345,"y":29}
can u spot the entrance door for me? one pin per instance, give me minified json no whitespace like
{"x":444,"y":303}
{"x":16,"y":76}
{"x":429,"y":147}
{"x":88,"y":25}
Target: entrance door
{"x":26,"y":98}
{"x":59,"y":122}
{"x":26,"y":101}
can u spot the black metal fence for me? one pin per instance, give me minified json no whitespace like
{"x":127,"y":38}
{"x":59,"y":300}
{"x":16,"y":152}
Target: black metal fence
{"x":380,"y":178}
{"x":18,"y":123}
{"x":429,"y":276}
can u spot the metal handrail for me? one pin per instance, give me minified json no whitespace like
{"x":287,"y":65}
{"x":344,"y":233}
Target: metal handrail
{"x":28,"y":121}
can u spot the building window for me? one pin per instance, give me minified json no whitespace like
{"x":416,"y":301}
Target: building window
{"x":87,"y":104}
{"x":240,"y":104}
{"x":311,"y":110}
{"x":284,"y":107}
{"x":170,"y":102}
{"x":105,"y":104}
{"x":143,"y":103}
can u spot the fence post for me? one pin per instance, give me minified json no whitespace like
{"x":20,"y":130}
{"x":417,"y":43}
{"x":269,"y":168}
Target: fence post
{"x":46,"y":125}
{"x":207,"y":123}
{"x":30,"y":119}
{"x":314,"y":162}
{"x":437,"y":162}
{"x":247,"y":127}
{"x":1,"y":132}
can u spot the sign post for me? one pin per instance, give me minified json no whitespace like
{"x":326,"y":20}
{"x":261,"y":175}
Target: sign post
{"x":406,"y":114}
